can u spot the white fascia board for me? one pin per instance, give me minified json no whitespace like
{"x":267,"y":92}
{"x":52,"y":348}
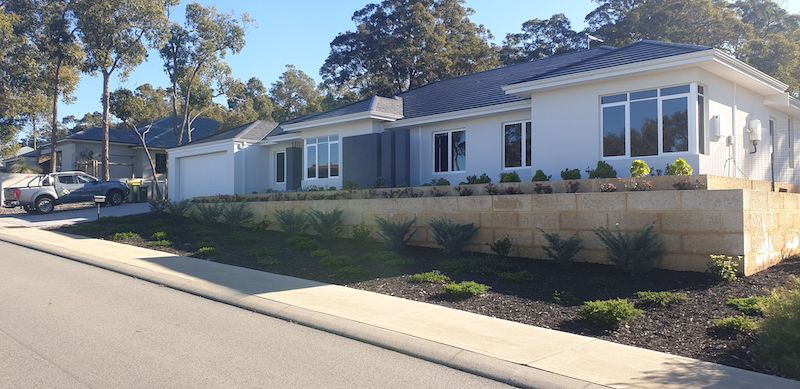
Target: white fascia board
{"x":202,"y":148}
{"x":463,"y":114}
{"x":727,"y":60}
{"x":784,"y":103}
{"x":341,"y":119}
{"x":274,"y":140}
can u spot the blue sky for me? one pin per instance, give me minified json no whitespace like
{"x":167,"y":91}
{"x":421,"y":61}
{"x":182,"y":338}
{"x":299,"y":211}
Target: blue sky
{"x":299,"y":32}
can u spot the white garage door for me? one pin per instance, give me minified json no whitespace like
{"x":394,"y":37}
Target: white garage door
{"x":203,"y":175}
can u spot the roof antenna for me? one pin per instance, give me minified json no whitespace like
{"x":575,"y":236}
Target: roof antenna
{"x":590,"y":38}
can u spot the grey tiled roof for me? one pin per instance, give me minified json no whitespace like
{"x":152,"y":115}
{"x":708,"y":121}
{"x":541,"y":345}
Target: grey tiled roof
{"x":254,"y":131}
{"x":160,"y":135}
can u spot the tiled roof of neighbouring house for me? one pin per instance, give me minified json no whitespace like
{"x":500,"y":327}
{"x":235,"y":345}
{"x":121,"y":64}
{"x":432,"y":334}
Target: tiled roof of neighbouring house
{"x":253,"y":131}
{"x":486,"y":88}
{"x":160,"y":135}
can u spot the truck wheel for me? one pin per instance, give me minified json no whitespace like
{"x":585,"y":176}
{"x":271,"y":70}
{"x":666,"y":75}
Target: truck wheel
{"x":44,"y":204}
{"x":116,"y":197}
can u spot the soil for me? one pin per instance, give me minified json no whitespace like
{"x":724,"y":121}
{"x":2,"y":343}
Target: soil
{"x":522,"y":289}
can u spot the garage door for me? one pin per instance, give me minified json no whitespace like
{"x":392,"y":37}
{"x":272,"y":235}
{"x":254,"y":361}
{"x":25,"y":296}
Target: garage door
{"x":203,"y":175}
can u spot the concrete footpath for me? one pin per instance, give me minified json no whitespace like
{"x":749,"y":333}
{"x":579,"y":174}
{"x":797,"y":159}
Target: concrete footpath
{"x":505,"y":351}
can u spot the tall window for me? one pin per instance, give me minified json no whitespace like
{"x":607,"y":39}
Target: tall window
{"x":517,"y":144}
{"x":791,"y":142}
{"x":322,"y":157}
{"x":161,"y":163}
{"x":280,"y":167}
{"x":450,"y":151}
{"x":635,"y":123}
{"x":701,"y":119}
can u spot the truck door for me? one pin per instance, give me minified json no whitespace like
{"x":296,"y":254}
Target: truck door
{"x":90,"y":184}
{"x":69,"y":190}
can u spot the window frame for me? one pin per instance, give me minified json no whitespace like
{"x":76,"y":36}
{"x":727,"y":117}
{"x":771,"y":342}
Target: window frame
{"x":523,"y":155}
{"x":156,"y":164}
{"x":449,"y":151}
{"x":691,"y":108}
{"x":316,"y":144}
{"x":275,"y":159}
{"x":703,"y":144}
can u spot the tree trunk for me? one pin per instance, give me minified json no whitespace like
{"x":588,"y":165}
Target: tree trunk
{"x":185,"y":126}
{"x":178,"y":131}
{"x":106,"y":124}
{"x":54,"y":123}
{"x":143,"y":141}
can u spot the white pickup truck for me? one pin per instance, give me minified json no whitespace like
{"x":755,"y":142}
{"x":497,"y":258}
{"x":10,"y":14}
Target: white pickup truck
{"x":42,"y":193}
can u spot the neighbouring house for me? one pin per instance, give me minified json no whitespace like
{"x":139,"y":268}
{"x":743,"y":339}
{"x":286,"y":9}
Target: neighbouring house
{"x":25,"y":153}
{"x":82,"y":150}
{"x":650,"y":100}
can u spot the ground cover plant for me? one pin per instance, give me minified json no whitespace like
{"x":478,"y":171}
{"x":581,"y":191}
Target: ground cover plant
{"x":530,"y":291}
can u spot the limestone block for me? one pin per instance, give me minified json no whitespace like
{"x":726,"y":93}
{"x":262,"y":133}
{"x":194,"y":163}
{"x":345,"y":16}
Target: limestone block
{"x":475,"y":203}
{"x":633,"y":220}
{"x":499,"y":219}
{"x":540,"y":219}
{"x":554,"y":202}
{"x":691,"y":221}
{"x":719,"y":200}
{"x":515,"y":203}
{"x":583,"y":220}
{"x":443,"y":204}
{"x":518,"y":237}
{"x":653,"y":201}
{"x":712,"y":243}
{"x":601,"y":201}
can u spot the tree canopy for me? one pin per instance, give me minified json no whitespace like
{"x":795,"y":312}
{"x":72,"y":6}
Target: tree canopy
{"x":294,"y":93}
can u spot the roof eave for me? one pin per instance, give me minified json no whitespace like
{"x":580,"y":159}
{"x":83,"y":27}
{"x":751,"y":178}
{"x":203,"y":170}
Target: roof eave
{"x":341,"y":119}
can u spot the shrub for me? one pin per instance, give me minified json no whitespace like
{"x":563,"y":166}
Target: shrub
{"x":539,"y":189}
{"x":491,"y":189}
{"x":161,"y":243}
{"x":237,"y":214}
{"x":464,"y":191}
{"x":128,"y":235}
{"x":661,"y":298}
{"x":483,"y":179}
{"x":502,"y":246}
{"x":178,"y":208}
{"x":388,"y":258}
{"x":301,"y":243}
{"x":158,"y":207}
{"x":609,"y":313}
{"x":778,"y":344}
{"x":735,"y":324}
{"x":562,"y":251}
{"x":573,"y":186}
{"x":515,"y":276}
{"x":350,"y":185}
{"x":209,"y":213}
{"x":753,"y":305}
{"x":349,"y":272}
{"x":431,"y":277}
{"x":724,"y":267}
{"x":565,"y":298}
{"x":679,"y":168}
{"x":639,"y":168}
{"x":436,"y":192}
{"x":361,"y":232}
{"x":336,"y":261}
{"x":634,"y":253}
{"x":465,"y":289}
{"x":602,"y":170}
{"x":291,"y":221}
{"x":512,"y":190}
{"x":327,"y":225}
{"x":320,"y":253}
{"x":159,"y":235}
{"x":509,"y":177}
{"x":639,"y":186}
{"x":438,"y":182}
{"x":205,"y":252}
{"x":396,"y":233}
{"x":608,"y":187}
{"x":571,"y":174}
{"x":540,"y":176}
{"x":452,"y":236}
{"x":476,"y":265}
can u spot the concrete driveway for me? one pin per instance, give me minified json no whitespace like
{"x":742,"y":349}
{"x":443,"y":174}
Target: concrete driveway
{"x":72,"y":216}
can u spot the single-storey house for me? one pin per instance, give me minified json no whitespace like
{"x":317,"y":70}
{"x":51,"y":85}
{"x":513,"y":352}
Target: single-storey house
{"x":650,"y":100}
{"x":25,"y":154}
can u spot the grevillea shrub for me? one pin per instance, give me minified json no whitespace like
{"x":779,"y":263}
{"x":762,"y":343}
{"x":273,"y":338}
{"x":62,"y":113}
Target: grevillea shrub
{"x":635,"y":253}
{"x":396,"y":233}
{"x":453,"y":237}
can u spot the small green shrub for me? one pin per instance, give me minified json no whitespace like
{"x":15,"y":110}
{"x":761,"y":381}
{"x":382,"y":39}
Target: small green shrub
{"x":724,"y":267}
{"x":291,"y":221}
{"x":128,"y":235}
{"x":635,"y":253}
{"x":466,"y":289}
{"x":209,"y":213}
{"x":639,"y":168}
{"x":301,"y":243}
{"x":735,"y":324}
{"x":438,"y":182}
{"x":509,"y":177}
{"x":205,"y":252}
{"x":609,"y":313}
{"x":336,"y":261}
{"x":350,"y":272}
{"x":453,"y":237}
{"x":565,"y":298}
{"x":396,"y":233}
{"x":571,"y":174}
{"x":540,"y":176}
{"x":237,"y":214}
{"x":602,"y":170}
{"x":178,"y":208}
{"x":515,"y":276}
{"x":502,"y":246}
{"x":159,"y":235}
{"x":431,"y":277}
{"x":472,"y":180}
{"x":320,"y":253}
{"x":327,"y":225}
{"x":661,"y":298}
{"x":464,"y":191}
{"x":161,"y":243}
{"x":753,"y":305}
{"x":562,"y":251}
{"x":778,"y":344}
{"x":679,"y":168}
{"x":361,"y":232}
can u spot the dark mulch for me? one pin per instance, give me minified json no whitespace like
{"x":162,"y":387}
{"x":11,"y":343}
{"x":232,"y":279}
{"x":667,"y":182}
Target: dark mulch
{"x":683,"y":329}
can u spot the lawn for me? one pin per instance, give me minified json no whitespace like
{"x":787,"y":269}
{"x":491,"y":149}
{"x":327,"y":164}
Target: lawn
{"x":537,"y":292}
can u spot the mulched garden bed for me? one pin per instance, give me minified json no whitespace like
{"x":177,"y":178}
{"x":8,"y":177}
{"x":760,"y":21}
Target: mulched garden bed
{"x":523,"y":290}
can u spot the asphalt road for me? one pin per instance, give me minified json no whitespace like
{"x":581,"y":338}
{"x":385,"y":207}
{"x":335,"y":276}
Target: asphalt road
{"x":65,"y":324}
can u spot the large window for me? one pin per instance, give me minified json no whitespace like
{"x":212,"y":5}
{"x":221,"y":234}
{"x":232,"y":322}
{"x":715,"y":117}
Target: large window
{"x":646,"y":123}
{"x":322,"y":157}
{"x":516,"y":144}
{"x":450,"y":151}
{"x":280,"y":167}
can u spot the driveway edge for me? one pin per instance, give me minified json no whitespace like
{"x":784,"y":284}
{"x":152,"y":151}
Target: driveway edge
{"x":453,"y":357}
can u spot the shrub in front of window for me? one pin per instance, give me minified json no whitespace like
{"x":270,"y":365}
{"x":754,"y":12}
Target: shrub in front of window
{"x":502,"y":246}
{"x":778,"y":344}
{"x":396,"y":233}
{"x":609,"y":313}
{"x":639,"y":168}
{"x":472,"y":180}
{"x":602,"y":170}
{"x":509,"y":177}
{"x":570,"y":174}
{"x":453,"y":237}
{"x":291,"y":221}
{"x":635,"y":253}
{"x":562,"y":251}
{"x":540,"y":176}
{"x":237,"y":214}
{"x":679,"y":168}
{"x":328,"y":225}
